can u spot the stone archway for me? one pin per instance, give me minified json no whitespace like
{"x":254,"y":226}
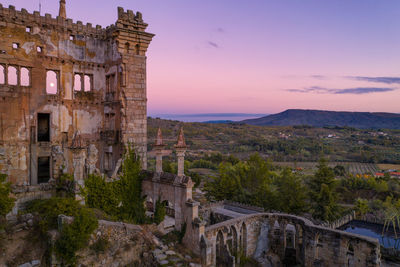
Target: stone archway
{"x":243,"y":239}
{"x":232,"y":241}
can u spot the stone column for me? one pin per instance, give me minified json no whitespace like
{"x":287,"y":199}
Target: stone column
{"x":180,"y":153}
{"x":158,"y":147}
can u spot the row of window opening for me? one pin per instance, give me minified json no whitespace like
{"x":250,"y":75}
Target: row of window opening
{"x":15,"y":75}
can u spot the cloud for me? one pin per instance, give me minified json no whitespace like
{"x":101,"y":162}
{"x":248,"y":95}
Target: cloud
{"x":215,"y":45}
{"x":386,"y":80}
{"x":356,"y":91}
{"x":221,"y":30}
{"x":319,"y":77}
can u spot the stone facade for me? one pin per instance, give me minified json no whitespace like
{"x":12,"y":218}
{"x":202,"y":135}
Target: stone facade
{"x":71,"y":95}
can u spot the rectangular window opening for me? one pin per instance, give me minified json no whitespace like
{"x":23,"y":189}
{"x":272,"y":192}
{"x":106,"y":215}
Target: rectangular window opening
{"x":28,"y":29}
{"x":43,"y":134}
{"x":15,"y":45}
{"x":39,"y":49}
{"x":43,"y":169}
{"x":2,"y":75}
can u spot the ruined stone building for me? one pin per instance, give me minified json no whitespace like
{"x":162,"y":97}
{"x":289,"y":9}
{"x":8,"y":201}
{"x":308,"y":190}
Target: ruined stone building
{"x":71,"y":95}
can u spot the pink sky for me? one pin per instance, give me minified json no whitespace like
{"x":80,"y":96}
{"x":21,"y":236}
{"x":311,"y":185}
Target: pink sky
{"x":261,"y":56}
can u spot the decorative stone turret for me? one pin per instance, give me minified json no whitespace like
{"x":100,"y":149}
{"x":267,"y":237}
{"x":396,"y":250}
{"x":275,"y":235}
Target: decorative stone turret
{"x":180,"y":153}
{"x":158,"y":147}
{"x":63,"y":11}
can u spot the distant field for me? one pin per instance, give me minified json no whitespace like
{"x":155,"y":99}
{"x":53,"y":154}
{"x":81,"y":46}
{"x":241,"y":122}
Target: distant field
{"x":389,"y":167}
{"x":351,"y":167}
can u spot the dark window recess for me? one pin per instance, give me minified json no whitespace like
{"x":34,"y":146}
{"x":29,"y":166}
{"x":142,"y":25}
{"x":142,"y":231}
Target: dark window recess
{"x":43,"y":169}
{"x":43,"y":127}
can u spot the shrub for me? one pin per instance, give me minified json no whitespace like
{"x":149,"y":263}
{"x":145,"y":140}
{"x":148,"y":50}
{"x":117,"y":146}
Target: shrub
{"x":121,"y":199}
{"x":101,"y":195}
{"x":74,"y":236}
{"x":100,"y":245}
{"x":6,"y":202}
{"x":160,"y":211}
{"x":65,"y":185}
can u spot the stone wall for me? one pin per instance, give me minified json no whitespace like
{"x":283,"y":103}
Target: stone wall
{"x":88,"y":128}
{"x":276,"y":238}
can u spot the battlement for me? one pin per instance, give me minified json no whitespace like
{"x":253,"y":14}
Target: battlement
{"x":23,"y":17}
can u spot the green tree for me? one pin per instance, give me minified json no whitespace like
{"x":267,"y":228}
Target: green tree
{"x":132,"y":203}
{"x":291,"y":192}
{"x":361,"y":206}
{"x":323,"y":194}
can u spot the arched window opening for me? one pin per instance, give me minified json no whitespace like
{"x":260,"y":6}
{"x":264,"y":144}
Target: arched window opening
{"x":290,"y":236}
{"x":51,"y":82}
{"x":127,"y":47}
{"x":243,"y":239}
{"x":2,"y":75}
{"x":77,"y":82}
{"x":137,"y":49}
{"x":350,"y":249}
{"x":220,"y":248}
{"x":87,"y":83}
{"x":25,"y":77}
{"x":12,"y":75}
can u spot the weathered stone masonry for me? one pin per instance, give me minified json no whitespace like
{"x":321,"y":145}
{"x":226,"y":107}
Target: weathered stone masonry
{"x":71,"y":95}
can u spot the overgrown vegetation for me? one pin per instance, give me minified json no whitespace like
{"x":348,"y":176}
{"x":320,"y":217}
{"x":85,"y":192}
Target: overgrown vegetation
{"x":73,"y":236}
{"x":6,"y":201}
{"x":122,"y":198}
{"x":160,"y":212}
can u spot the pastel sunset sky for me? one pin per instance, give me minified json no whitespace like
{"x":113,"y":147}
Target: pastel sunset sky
{"x":261,"y":56}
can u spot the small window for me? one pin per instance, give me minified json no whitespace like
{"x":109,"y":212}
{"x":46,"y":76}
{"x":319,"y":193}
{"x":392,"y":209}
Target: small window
{"x":77,"y":82}
{"x":12,"y":75}
{"x":2,"y":75}
{"x":43,"y":134}
{"x":127,"y":47}
{"x":137,"y":49}
{"x":3,"y":52}
{"x":43,"y":169}
{"x":25,"y":77}
{"x":39,"y":49}
{"x":71,"y":37}
{"x":51,"y":82}
{"x":88,"y":83}
{"x":28,"y":29}
{"x":15,"y":45}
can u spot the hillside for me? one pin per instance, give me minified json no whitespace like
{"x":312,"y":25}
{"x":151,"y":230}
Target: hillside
{"x":320,"y":118}
{"x":282,"y":143}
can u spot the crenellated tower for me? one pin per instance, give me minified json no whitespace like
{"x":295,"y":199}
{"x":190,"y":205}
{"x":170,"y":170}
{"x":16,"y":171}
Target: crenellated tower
{"x":132,"y":41}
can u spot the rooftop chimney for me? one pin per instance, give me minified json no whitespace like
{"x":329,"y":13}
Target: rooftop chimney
{"x":63,"y":12}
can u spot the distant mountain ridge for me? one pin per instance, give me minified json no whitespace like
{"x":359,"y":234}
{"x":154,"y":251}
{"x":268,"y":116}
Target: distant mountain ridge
{"x":322,"y":118}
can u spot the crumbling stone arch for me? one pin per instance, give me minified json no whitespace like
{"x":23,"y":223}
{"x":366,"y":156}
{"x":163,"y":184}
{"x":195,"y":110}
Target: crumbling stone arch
{"x":243,"y":238}
{"x":290,"y":231}
{"x":220,"y":245}
{"x":350,"y":254}
{"x":232,"y":240}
